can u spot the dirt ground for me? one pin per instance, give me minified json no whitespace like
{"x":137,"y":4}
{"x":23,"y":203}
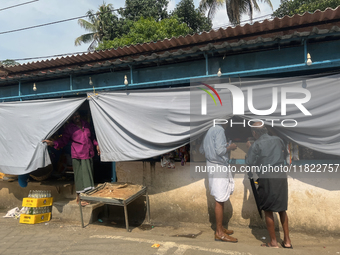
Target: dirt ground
{"x":107,"y":237}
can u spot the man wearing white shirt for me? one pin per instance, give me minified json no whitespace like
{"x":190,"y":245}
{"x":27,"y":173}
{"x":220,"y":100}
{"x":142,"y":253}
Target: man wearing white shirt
{"x":221,"y":182}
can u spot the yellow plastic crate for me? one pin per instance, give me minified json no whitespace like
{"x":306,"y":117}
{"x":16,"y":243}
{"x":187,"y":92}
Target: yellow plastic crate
{"x":36,"y":218}
{"x":37,"y":202}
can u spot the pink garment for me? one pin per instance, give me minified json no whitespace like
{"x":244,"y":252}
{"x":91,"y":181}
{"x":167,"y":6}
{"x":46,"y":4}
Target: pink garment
{"x":81,"y":147}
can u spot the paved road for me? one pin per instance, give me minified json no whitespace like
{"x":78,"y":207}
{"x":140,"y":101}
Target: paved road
{"x":58,"y":237}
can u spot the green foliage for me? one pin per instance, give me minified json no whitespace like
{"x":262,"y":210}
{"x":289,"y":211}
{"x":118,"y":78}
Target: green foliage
{"x":148,"y":30}
{"x":102,"y":25}
{"x":291,"y":7}
{"x":8,"y":62}
{"x":141,"y":21}
{"x":105,"y":25}
{"x":135,"y":9}
{"x":194,"y":18}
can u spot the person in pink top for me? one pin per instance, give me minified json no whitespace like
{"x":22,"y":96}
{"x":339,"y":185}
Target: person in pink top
{"x":82,"y":152}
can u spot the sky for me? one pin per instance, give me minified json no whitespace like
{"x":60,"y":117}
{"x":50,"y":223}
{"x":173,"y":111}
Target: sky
{"x":59,"y":38}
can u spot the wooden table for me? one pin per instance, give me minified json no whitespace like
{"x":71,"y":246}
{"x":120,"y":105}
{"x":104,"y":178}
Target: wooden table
{"x":120,"y":194}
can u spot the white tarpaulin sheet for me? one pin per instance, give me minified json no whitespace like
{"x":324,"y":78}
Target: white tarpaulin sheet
{"x":23,"y":125}
{"x":133,"y":125}
{"x":319,"y":131}
{"x":142,"y":124}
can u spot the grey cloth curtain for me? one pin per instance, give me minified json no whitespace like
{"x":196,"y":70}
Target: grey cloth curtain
{"x":319,"y":131}
{"x":142,"y":124}
{"x":23,"y":125}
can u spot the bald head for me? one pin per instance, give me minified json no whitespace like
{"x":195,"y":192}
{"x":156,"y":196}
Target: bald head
{"x":258,"y":124}
{"x":258,"y":129}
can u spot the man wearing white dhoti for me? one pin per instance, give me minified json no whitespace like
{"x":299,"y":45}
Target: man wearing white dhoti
{"x":221,"y":182}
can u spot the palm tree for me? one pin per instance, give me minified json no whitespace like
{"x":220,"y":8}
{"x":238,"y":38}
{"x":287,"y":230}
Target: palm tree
{"x":100,"y":25}
{"x":235,"y":8}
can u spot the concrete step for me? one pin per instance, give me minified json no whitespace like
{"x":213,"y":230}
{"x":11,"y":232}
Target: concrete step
{"x":68,"y":209}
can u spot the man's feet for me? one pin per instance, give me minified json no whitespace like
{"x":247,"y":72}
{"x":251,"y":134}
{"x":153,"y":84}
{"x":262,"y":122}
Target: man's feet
{"x":228,"y":232}
{"x":84,"y":203}
{"x":288,"y":246}
{"x":269,"y":245}
{"x":225,"y":238}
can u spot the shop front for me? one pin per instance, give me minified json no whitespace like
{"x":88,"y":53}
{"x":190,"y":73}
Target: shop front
{"x":148,"y":133}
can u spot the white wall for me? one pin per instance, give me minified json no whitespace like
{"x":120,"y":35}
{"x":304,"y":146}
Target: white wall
{"x":313,"y":204}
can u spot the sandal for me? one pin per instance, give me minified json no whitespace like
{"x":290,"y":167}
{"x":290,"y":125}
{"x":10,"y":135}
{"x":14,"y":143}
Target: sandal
{"x":225,"y":238}
{"x":285,"y":246}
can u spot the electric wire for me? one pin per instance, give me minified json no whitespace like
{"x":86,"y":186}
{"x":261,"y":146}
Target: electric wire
{"x":55,"y":22}
{"x":241,"y":22}
{"x":9,"y":7}
{"x":84,"y":16}
{"x":70,"y":54}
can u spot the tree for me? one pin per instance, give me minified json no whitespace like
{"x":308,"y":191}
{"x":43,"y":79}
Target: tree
{"x":148,"y":30}
{"x":235,"y":8}
{"x":135,"y":9}
{"x":102,"y":25}
{"x":291,"y":7}
{"x":105,"y":25}
{"x":194,"y":18}
{"x":8,"y":62}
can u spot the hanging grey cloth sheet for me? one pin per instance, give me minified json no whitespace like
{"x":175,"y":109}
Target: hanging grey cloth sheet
{"x":142,"y":124}
{"x":319,"y":131}
{"x":23,"y":125}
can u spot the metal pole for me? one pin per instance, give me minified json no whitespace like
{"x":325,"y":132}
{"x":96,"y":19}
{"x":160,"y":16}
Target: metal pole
{"x":126,"y":217}
{"x":20,"y":90}
{"x":206,"y":64}
{"x":305,"y":50}
{"x":114,"y":175}
{"x":131,"y":74}
{"x":147,"y":205}
{"x":81,"y":213}
{"x":71,"y":82}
